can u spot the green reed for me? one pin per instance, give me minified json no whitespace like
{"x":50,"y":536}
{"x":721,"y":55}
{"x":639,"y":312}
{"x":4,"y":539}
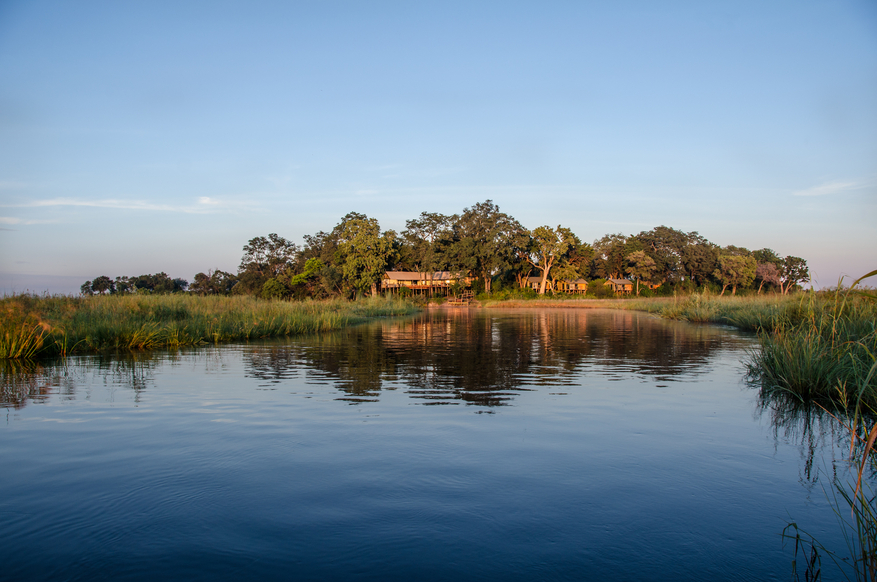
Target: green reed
{"x":33,"y":326}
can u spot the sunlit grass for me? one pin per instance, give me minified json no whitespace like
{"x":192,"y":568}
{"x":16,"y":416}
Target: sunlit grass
{"x":32,"y":326}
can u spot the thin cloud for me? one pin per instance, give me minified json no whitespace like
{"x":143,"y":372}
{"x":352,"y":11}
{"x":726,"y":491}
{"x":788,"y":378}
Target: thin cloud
{"x":205,"y":204}
{"x":827,"y":189}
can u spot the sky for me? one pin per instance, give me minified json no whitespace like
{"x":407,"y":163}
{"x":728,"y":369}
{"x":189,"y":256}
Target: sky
{"x":161,"y":136}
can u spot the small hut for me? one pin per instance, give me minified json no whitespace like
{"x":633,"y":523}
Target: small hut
{"x":572,"y":286}
{"x":620,"y":286}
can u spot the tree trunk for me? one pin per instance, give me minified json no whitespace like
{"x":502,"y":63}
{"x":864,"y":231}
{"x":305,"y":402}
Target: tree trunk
{"x":760,"y":286}
{"x":723,"y":290}
{"x":637,"y":287}
{"x":734,"y":290}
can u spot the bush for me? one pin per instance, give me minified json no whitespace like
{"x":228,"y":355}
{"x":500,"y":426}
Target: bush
{"x":273,"y":289}
{"x":600,"y":290}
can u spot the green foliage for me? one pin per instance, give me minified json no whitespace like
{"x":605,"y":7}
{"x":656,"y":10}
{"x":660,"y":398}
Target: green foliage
{"x":312,"y":269}
{"x":794,"y":270}
{"x":641,"y":267}
{"x":548,"y":246}
{"x":364,"y":252}
{"x":599,"y":290}
{"x":213,"y":283}
{"x":735,"y":271}
{"x":273,"y":289}
{"x":263,"y":259}
{"x":486,"y":242}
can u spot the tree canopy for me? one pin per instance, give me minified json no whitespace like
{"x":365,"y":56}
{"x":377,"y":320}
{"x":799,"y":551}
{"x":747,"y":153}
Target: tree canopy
{"x":481,"y":242}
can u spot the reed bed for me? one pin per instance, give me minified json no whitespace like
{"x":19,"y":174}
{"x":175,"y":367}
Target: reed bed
{"x":32,"y":326}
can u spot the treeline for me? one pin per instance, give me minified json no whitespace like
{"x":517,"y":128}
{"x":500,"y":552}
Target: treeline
{"x":488,"y":245}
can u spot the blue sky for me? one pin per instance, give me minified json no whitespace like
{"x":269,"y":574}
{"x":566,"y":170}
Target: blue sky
{"x":161,"y":136}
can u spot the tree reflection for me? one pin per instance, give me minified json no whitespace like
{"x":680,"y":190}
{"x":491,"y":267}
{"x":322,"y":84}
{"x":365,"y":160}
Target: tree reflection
{"x":481,"y":357}
{"x":486,"y":357}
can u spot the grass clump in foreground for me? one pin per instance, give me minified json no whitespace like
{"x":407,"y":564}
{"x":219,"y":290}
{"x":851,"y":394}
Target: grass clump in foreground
{"x":822,"y":350}
{"x":32,"y":326}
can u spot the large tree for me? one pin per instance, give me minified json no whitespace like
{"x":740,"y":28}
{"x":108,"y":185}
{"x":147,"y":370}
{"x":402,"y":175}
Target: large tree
{"x":641,"y":267}
{"x":548,"y":247}
{"x":767,"y":273}
{"x":103,"y":284}
{"x":364,"y":253}
{"x":485,"y":241}
{"x":610,"y":252}
{"x":426,"y":238}
{"x":263,"y":259}
{"x":735,"y":271}
{"x":793,"y":271}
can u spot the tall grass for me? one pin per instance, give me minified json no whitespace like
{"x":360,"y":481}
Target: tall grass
{"x":33,"y":326}
{"x":822,"y":350}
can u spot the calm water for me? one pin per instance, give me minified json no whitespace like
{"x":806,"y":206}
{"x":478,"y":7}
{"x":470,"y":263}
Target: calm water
{"x":476,"y":445}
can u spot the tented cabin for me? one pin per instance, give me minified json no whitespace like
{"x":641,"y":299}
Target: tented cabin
{"x":572,"y":286}
{"x":440,"y":282}
{"x":560,"y":286}
{"x":534,"y":282}
{"x":620,"y":286}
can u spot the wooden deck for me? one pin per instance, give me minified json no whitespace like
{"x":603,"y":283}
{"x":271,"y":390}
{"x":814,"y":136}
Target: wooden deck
{"x":463,"y":300}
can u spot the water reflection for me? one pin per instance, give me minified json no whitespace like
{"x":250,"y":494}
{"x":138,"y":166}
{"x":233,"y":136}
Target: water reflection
{"x":485,"y":357}
{"x":24,"y":381}
{"x":480,"y":357}
{"x":817,"y":433}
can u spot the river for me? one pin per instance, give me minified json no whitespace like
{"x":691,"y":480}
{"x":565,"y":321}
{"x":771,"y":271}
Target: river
{"x":459,"y":444}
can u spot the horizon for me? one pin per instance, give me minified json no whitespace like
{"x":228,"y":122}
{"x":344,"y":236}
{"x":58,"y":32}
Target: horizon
{"x":161,"y":138}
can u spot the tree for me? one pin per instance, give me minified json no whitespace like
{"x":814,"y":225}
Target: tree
{"x":323,"y":246}
{"x":767,"y":273}
{"x":364,"y":252}
{"x":548,"y":246}
{"x":123,"y":285}
{"x":609,"y":253}
{"x":158,"y":283}
{"x":263,"y":259}
{"x":213,"y":283}
{"x":426,"y":236}
{"x":574,"y":264}
{"x":641,"y":267}
{"x":485,"y":241}
{"x":794,"y":271}
{"x":274,"y":289}
{"x":103,"y":284}
{"x":735,"y":271}
{"x":767,"y":256}
{"x":86,"y":289}
{"x":678,"y":255}
{"x":736,"y":251}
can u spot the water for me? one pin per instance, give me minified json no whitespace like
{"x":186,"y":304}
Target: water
{"x":459,"y":444}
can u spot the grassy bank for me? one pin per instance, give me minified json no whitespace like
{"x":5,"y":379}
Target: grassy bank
{"x":753,"y":313}
{"x":32,"y":326}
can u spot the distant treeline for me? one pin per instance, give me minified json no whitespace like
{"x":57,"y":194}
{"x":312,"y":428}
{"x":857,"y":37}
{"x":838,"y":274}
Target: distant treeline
{"x":490,"y":246}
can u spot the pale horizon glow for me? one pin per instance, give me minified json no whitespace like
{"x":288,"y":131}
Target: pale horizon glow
{"x":163,"y":136}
